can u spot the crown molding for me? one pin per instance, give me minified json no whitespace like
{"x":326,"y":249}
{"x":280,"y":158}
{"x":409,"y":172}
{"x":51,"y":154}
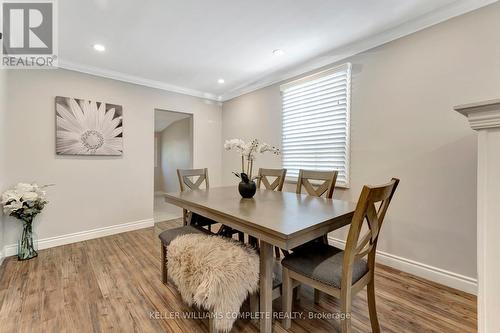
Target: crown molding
{"x":481,"y":115}
{"x":444,"y":13}
{"x":133,"y":79}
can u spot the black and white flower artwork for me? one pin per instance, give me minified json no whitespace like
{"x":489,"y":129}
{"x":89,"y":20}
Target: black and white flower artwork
{"x":88,"y":128}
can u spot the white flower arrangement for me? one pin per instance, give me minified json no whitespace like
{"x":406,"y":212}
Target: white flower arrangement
{"x":248,"y":151}
{"x":24,"y":201}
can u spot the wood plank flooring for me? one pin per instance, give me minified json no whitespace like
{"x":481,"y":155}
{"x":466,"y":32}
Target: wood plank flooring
{"x":112,"y":284}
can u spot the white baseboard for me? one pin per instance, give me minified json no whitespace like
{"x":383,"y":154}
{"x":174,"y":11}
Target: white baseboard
{"x":45,"y":243}
{"x":434,"y":274}
{"x":428,"y":272}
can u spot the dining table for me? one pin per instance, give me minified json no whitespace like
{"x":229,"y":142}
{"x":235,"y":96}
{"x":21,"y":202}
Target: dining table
{"x":282,"y":219}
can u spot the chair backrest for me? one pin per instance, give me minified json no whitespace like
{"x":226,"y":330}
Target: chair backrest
{"x":187,"y":178}
{"x":358,"y":246}
{"x":329,"y":179}
{"x":277,"y":184}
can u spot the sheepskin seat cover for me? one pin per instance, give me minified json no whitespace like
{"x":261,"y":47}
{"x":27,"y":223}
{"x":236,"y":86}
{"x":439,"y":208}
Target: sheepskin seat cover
{"x":214,"y":273}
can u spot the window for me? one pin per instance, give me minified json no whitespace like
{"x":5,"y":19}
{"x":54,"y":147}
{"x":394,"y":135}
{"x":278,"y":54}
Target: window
{"x":315,"y":126}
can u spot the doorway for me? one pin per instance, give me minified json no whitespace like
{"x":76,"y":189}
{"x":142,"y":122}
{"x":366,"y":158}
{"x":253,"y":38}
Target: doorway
{"x":173,"y":142}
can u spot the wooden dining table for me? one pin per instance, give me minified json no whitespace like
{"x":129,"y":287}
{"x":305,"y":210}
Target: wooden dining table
{"x":281,"y":219}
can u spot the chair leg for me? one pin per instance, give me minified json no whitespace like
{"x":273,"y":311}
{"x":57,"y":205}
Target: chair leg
{"x":325,"y":239}
{"x":253,"y":242}
{"x":372,"y":306}
{"x":346,"y":305}
{"x":287,"y":299}
{"x":241,"y":237}
{"x":296,"y":293}
{"x":164,"y":272}
{"x":254,"y":304}
{"x":184,"y":217}
{"x":317,"y":295}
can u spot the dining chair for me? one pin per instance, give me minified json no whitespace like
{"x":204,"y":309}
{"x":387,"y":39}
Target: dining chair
{"x":264,"y":177}
{"x":276,"y":184}
{"x":167,"y":236}
{"x":192,"y":223}
{"x":187,"y":180}
{"x":317,"y":184}
{"x":343,"y":273}
{"x":272,"y":185}
{"x":323,"y":180}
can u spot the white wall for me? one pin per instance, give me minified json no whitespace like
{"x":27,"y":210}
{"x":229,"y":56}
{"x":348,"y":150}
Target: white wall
{"x":176,"y":143}
{"x":403,"y":126}
{"x":95,"y":192}
{"x":2,"y":153}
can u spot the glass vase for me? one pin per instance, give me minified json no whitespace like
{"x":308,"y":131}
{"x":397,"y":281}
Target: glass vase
{"x":27,"y":245}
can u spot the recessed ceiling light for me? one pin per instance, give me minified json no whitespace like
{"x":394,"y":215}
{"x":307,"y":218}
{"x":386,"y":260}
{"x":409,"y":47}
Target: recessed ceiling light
{"x":221,"y":81}
{"x":278,"y":52}
{"x":99,"y":47}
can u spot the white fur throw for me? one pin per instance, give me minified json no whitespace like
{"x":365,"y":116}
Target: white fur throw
{"x":214,"y":273}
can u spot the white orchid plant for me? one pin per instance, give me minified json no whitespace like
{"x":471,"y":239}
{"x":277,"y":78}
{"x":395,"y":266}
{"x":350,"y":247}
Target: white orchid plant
{"x":248,"y":152}
{"x":25,"y":201}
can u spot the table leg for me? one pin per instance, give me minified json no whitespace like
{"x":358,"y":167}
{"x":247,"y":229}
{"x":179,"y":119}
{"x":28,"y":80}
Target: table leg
{"x":266,"y":287}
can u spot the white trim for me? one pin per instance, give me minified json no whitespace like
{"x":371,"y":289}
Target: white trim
{"x":482,"y":115}
{"x":133,"y":79}
{"x":454,"y":9}
{"x":483,"y":173}
{"x":45,"y":243}
{"x":438,"y":275}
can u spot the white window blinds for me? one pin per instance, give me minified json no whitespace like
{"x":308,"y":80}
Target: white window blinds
{"x":315,"y":126}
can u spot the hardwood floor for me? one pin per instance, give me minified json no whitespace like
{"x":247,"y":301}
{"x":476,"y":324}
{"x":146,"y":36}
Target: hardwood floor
{"x":112,"y":284}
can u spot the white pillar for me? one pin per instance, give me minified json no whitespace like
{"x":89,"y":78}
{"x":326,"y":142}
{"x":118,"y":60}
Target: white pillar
{"x":484,"y":117}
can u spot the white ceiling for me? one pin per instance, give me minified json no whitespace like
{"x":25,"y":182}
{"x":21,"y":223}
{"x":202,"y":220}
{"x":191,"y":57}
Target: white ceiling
{"x":186,"y":45}
{"x":163,"y":119}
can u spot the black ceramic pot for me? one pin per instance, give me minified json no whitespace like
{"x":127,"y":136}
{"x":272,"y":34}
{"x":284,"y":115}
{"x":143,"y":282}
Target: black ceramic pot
{"x":247,"y":189}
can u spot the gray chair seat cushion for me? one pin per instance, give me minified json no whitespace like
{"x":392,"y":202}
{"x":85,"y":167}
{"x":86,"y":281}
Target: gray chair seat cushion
{"x":169,"y":235}
{"x":323,"y":263}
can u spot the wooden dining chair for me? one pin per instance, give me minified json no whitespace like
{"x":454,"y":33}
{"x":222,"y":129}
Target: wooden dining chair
{"x":187,"y":181}
{"x":273,"y":185}
{"x":343,"y":273}
{"x":192,"y":223}
{"x":166,"y":237}
{"x":265,"y":178}
{"x":317,"y":183}
{"x":193,"y":179}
